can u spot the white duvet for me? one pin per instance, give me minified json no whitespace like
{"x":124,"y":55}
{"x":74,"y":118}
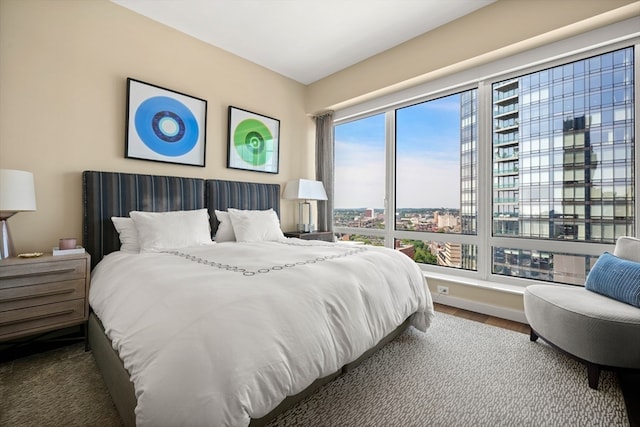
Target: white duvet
{"x":215,"y":335}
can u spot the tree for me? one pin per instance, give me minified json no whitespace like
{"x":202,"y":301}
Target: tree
{"x":424,"y":257}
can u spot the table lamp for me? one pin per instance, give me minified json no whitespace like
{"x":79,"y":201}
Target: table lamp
{"x":17,"y":194}
{"x":304,"y":190}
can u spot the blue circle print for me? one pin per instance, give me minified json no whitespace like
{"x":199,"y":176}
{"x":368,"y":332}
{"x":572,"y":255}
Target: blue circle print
{"x":166,"y":126}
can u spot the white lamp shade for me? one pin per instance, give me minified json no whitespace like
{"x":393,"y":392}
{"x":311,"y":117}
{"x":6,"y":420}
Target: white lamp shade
{"x":17,"y":191}
{"x":304,"y":189}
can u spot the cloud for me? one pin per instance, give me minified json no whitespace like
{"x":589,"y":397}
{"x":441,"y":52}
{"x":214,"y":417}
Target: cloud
{"x":427,"y":182}
{"x":423,"y":181}
{"x":359,"y":175}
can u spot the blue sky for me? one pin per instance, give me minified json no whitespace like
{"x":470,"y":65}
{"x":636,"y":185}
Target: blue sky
{"x":427,"y":158}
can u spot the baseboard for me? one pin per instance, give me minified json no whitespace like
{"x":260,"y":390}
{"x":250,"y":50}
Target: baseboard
{"x":479,"y":307}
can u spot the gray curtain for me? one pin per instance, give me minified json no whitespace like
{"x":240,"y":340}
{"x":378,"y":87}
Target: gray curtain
{"x":325,"y":168}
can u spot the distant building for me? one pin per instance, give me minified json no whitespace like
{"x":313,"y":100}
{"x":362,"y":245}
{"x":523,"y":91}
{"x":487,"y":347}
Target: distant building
{"x":447,"y":220}
{"x":451,"y":255}
{"x":408,"y":250}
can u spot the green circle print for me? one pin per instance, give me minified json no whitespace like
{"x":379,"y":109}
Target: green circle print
{"x":253,"y":141}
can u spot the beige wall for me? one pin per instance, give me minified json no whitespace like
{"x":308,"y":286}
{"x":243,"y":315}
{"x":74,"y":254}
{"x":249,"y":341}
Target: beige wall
{"x":499,"y":30}
{"x":63,"y":70}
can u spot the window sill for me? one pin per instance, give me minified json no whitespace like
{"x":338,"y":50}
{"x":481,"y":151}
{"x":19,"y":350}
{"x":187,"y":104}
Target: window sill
{"x":500,"y":287}
{"x":486,"y":305}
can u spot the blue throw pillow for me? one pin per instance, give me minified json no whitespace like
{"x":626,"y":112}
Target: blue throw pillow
{"x":616,"y":278}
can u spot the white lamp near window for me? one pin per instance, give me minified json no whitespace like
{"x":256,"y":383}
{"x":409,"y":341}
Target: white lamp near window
{"x":304,"y":190}
{"x":17,"y":194}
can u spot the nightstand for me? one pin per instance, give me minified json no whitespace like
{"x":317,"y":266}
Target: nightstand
{"x":43,"y":294}
{"x":327,"y":236}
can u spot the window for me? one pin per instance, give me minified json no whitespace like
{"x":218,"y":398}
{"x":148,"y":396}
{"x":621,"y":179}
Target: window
{"x":568,"y":184}
{"x":560,"y":174}
{"x":436,"y":143}
{"x":360,"y":177}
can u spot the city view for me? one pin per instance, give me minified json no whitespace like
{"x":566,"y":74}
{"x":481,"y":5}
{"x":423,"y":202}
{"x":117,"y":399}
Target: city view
{"x":561,"y":166}
{"x":533,"y":264}
{"x":438,"y":220}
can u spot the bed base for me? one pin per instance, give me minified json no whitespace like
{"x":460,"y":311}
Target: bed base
{"x":122,"y":392}
{"x":115,"y":376}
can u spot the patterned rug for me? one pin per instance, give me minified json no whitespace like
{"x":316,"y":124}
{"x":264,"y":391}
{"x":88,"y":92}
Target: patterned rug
{"x":463,"y":373}
{"x":460,"y":373}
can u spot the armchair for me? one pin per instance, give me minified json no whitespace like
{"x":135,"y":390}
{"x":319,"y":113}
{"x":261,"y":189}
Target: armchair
{"x":599,"y":331}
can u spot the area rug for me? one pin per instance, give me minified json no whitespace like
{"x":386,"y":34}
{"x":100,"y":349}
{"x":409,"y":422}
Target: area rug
{"x":463,"y":373}
{"x":459,"y":373}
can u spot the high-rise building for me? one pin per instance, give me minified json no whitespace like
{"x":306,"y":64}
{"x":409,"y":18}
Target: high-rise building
{"x":562,"y":162}
{"x":468,"y":174}
{"x":506,"y":167}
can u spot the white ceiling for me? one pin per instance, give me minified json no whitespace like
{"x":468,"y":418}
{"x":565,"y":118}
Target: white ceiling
{"x":305,"y":40}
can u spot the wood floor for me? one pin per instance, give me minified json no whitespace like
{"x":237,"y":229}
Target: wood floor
{"x":483,"y":318}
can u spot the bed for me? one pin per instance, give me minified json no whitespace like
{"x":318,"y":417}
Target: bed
{"x":236,"y":332}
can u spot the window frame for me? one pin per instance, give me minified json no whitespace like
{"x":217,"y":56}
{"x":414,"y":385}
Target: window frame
{"x":596,"y":42}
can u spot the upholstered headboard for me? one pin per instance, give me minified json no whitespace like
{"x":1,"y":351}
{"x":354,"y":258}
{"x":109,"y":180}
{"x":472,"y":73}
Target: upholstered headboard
{"x":222,"y":195}
{"x":107,"y":194}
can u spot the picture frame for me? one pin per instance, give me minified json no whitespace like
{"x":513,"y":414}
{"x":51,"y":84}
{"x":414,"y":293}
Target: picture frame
{"x":163,"y":125}
{"x":254,"y":141}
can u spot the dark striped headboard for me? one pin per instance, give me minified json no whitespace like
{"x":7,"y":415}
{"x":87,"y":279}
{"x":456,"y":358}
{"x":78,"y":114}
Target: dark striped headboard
{"x":107,"y":194}
{"x":240,"y":195}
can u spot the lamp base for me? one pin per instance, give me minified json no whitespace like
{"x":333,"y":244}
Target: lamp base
{"x":7,"y":249}
{"x":304,"y":228}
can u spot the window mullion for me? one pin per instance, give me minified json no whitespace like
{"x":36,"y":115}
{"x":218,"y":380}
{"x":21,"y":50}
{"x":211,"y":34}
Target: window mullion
{"x":636,"y":77}
{"x":390,"y":179}
{"x":484,"y":184}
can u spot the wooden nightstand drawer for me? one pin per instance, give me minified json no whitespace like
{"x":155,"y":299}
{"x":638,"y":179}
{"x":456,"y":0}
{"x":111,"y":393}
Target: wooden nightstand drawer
{"x":22,"y":321}
{"x":43,"y":293}
{"x":38,"y":295}
{"x":21,"y":274}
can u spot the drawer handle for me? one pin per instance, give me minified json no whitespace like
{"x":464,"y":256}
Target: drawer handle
{"x":42,"y":316}
{"x":43,"y":294}
{"x":42,"y":273}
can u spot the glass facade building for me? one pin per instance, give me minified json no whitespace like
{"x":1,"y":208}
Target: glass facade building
{"x":563,"y":150}
{"x":468,"y":176}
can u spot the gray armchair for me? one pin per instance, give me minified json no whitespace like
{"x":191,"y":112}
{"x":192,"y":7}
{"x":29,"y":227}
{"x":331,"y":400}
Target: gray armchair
{"x":601,"y":332}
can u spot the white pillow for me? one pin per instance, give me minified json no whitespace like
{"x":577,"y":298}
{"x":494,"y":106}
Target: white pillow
{"x":128,"y":233}
{"x":225,"y":228}
{"x":255,"y":226}
{"x":159,"y":231}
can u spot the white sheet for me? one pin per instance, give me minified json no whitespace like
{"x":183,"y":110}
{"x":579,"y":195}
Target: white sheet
{"x":226,"y":335}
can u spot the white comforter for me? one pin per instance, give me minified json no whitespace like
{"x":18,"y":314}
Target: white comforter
{"x":215,"y":335}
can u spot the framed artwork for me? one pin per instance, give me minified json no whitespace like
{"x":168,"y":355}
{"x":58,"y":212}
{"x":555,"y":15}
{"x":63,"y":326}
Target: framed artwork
{"x":254,"y":141}
{"x":163,"y":125}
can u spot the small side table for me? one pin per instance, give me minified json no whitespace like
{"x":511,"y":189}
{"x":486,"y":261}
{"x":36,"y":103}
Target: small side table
{"x":43,"y":294}
{"x":326,"y":236}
